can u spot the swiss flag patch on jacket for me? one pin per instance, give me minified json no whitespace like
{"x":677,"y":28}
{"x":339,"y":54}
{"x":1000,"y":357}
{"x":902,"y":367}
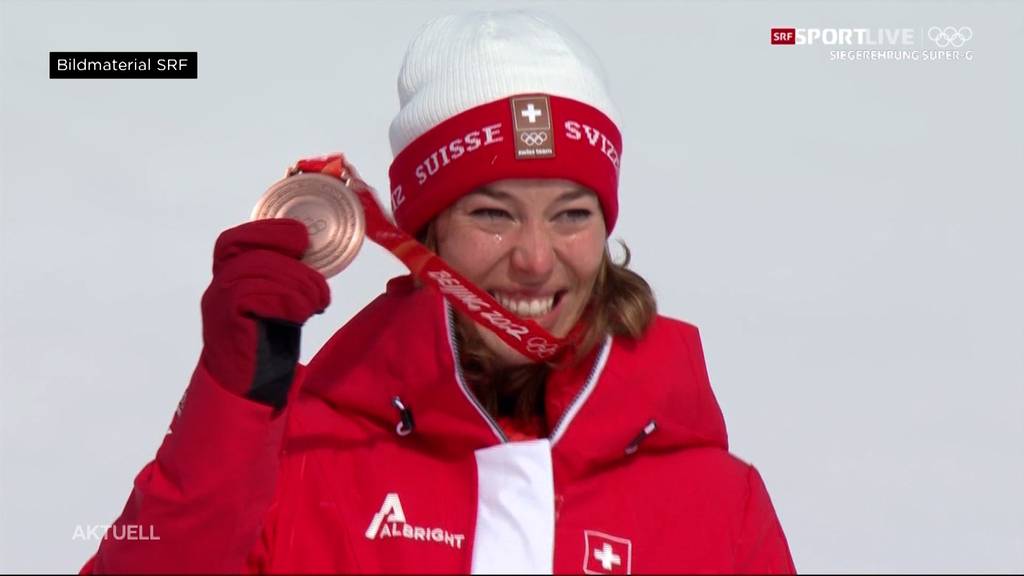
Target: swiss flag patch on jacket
{"x":606,"y":554}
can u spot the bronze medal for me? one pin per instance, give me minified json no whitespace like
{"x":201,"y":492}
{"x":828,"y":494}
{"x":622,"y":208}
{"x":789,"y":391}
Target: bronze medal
{"x":331,"y":212}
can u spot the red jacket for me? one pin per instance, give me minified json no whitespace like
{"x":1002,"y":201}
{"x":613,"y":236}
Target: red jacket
{"x":634,"y":477}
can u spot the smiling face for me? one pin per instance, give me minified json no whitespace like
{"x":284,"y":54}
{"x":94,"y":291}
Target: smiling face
{"x":536,"y":245}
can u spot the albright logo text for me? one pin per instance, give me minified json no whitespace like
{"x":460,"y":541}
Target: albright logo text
{"x":390,"y":522}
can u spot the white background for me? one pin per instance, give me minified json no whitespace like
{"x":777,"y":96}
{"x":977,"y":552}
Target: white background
{"x":847,"y":235}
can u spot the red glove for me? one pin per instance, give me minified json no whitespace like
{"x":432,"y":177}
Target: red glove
{"x":253,"y":311}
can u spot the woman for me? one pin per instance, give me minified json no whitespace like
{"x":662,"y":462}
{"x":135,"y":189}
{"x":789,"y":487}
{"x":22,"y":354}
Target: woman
{"x":417,"y":439}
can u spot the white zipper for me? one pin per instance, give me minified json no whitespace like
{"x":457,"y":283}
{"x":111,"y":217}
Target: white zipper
{"x":460,"y":378}
{"x":583,"y":394}
{"x":567,"y":416}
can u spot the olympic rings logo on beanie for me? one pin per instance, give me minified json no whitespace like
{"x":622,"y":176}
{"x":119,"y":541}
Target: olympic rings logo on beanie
{"x":487,"y":96}
{"x":572,"y":140}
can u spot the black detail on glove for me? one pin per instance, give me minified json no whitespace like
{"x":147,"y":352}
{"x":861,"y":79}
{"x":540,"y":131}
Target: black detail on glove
{"x":276,"y":357}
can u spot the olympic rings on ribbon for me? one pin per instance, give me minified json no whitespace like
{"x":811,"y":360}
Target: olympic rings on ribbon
{"x":540,"y":347}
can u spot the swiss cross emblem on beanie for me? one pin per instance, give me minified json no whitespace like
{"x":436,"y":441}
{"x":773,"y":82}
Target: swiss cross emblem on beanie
{"x":488,"y":96}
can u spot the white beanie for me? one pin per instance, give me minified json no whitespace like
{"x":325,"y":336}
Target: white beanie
{"x":461,"y":61}
{"x":458,"y":91}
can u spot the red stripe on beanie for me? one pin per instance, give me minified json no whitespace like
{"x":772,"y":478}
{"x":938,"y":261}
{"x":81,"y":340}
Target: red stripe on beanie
{"x":478,"y":146}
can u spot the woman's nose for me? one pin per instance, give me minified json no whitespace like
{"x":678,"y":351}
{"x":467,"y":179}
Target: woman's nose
{"x":533,"y":254}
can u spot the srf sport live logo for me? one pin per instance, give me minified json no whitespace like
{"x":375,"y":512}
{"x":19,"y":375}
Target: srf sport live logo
{"x":942,"y":37}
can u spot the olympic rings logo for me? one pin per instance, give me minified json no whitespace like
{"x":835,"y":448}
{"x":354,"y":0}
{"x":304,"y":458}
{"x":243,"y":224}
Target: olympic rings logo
{"x":533,"y":138}
{"x":950,"y":36}
{"x":540,"y":347}
{"x":314,"y":226}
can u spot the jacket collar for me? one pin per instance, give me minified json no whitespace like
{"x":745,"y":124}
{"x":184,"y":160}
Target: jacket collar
{"x":402,"y":346}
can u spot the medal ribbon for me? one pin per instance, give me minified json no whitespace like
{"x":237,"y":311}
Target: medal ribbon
{"x":525,"y":336}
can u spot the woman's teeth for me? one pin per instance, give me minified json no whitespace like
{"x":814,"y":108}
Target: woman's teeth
{"x":526,"y":308}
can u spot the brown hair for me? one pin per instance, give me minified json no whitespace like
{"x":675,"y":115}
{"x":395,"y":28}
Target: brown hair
{"x":621,"y":304}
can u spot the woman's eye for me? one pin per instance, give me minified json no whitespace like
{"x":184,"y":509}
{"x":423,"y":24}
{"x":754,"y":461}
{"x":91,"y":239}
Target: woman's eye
{"x":575,"y":215}
{"x":490,"y":213}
